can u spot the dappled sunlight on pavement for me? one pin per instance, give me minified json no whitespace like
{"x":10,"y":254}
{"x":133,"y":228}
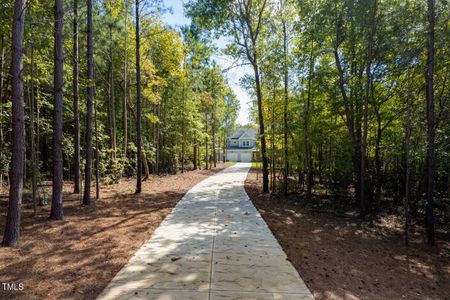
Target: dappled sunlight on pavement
{"x":214,"y":245}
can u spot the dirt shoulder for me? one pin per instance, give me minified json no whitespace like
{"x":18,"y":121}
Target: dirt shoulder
{"x":76,"y":258}
{"x":339,"y":259}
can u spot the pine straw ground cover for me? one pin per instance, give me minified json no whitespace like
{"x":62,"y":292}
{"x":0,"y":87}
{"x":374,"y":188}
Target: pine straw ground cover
{"x":76,"y":258}
{"x":341,"y":258}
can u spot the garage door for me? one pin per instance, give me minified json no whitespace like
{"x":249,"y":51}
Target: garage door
{"x":232,"y":156}
{"x":246,"y":156}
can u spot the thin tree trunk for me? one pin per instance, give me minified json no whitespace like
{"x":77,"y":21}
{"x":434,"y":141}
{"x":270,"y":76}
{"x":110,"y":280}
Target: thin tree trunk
{"x":407,"y":199}
{"x":265,"y":170}
{"x":430,"y":159}
{"x":89,"y":106}
{"x":195,"y":154}
{"x":111,"y":99}
{"x":272,"y":129}
{"x":214,"y":154}
{"x":157,"y":139}
{"x":206,"y":141}
{"x":97,"y":156}
{"x":308,"y":146}
{"x":286,"y":102}
{"x":349,"y":117}
{"x":378,"y":160}
{"x":183,"y":121}
{"x":76,"y":113}
{"x":366,"y":108}
{"x":125,"y":90}
{"x":12,"y":228}
{"x":138,"y":105}
{"x":56,"y":212}
{"x":32,"y":136}
{"x":2,"y":66}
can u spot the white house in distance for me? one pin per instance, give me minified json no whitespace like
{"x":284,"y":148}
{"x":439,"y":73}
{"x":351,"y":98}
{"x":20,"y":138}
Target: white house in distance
{"x":241,"y":145}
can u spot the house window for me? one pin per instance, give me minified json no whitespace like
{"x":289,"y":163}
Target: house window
{"x":246,"y":143}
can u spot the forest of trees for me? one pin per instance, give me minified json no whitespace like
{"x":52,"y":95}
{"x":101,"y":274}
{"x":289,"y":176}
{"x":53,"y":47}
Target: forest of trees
{"x":91,"y":91}
{"x":351,"y":97}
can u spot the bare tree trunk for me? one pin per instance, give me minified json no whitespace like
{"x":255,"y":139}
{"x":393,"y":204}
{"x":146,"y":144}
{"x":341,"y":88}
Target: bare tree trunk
{"x":366,"y":109}
{"x":349,"y":118}
{"x":430,"y":159}
{"x":2,"y":66}
{"x":138,"y":104}
{"x":125,"y":89}
{"x":206,"y":141}
{"x":12,"y":228}
{"x":378,"y":160}
{"x":214,"y":142}
{"x":272,"y":129}
{"x":183,"y":121}
{"x":58,"y":77}
{"x":195,"y":154}
{"x":97,"y":156}
{"x":213,"y":124}
{"x":111,"y":99}
{"x":157,"y":139}
{"x":286,"y":102}
{"x":265,"y":170}
{"x":76,"y":113}
{"x":308,"y":145}
{"x":32,"y":136}
{"x":89,"y":106}
{"x":407,"y":199}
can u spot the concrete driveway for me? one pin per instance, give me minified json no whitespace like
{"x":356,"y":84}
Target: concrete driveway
{"x":214,"y":245}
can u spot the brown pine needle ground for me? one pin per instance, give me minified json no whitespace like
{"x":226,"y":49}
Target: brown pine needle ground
{"x":76,"y":258}
{"x":339,"y":259}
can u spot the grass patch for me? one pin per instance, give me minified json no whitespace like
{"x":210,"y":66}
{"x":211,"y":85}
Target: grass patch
{"x":257,"y":164}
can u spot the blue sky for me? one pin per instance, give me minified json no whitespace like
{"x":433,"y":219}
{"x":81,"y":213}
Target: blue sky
{"x":178,"y":18}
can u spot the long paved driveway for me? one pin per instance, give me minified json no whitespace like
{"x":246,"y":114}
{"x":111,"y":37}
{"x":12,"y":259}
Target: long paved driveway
{"x":214,"y":245}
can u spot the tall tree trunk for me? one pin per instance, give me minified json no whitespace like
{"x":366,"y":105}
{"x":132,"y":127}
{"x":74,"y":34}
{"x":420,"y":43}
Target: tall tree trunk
{"x":157,"y":139}
{"x":265,"y":171}
{"x":89,"y":105}
{"x":286,"y":102}
{"x":2,"y":66}
{"x":378,"y":160}
{"x":349,"y":117}
{"x":407,"y":199}
{"x":76,"y":113}
{"x":32,"y":135}
{"x":97,"y":156}
{"x":308,"y":145}
{"x":430,"y":159}
{"x":225,"y":145}
{"x":56,"y":212}
{"x":183,"y":120}
{"x":111,"y":99}
{"x":12,"y":228}
{"x":214,"y":153}
{"x":366,"y":108}
{"x":138,"y":104}
{"x":206,"y":141}
{"x":272,"y":131}
{"x":125,"y":89}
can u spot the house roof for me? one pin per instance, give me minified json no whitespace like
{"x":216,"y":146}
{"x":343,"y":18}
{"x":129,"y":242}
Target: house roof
{"x":250,"y":132}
